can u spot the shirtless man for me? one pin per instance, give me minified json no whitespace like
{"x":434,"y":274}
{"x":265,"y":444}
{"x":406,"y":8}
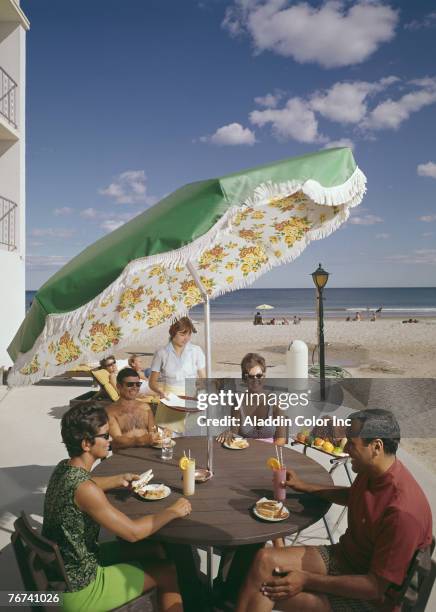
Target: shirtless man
{"x":131,"y":422}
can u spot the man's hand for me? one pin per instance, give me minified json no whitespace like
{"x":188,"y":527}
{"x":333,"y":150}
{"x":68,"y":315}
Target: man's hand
{"x":181,"y":508}
{"x":226,"y":436}
{"x":293,"y":481}
{"x":284,"y":588}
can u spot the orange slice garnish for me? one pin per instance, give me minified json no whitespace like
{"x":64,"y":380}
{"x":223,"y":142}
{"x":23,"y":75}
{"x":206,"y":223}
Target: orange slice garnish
{"x":183,"y":463}
{"x":273,"y":464}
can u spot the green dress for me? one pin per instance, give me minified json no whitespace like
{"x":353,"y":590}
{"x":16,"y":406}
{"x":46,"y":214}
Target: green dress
{"x":98,"y":582}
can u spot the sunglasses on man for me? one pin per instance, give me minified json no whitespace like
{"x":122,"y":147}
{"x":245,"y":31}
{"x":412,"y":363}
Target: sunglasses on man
{"x":254,"y":376}
{"x":133,"y":384}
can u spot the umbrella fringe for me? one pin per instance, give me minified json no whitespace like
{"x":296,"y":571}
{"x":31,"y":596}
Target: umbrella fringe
{"x":349,"y":193}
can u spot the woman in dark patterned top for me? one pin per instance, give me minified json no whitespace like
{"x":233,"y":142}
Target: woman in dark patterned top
{"x":107,"y":575}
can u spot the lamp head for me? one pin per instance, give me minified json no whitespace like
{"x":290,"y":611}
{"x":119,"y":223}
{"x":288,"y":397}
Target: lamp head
{"x":320,"y":277}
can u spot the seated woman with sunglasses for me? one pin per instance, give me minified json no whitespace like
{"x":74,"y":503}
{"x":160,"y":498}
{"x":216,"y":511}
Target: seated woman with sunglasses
{"x":253,"y":370}
{"x":103,"y":576}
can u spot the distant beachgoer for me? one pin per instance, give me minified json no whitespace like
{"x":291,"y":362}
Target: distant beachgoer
{"x":273,"y":321}
{"x":348,"y":319}
{"x":285,"y":321}
{"x":297,"y":320}
{"x":373,"y":317}
{"x":379,"y":309}
{"x":357,"y":317}
{"x":257,"y":319}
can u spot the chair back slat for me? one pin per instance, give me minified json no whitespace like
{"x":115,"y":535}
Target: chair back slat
{"x":37,"y":555}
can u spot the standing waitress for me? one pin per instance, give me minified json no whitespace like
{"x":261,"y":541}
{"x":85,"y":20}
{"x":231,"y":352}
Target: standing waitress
{"x":171,"y":366}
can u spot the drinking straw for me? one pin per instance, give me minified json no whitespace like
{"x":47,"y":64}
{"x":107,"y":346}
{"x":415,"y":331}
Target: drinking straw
{"x":277,"y":453}
{"x":281,"y":457}
{"x":184,"y":454}
{"x":189,"y":454}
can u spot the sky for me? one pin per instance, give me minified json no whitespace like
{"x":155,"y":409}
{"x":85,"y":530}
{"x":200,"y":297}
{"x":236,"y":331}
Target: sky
{"x":127,"y":101}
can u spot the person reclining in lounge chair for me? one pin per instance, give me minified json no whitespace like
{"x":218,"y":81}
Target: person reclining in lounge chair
{"x":389,"y":518}
{"x":131,"y":422}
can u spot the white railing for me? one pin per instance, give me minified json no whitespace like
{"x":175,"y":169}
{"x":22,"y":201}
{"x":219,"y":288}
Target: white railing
{"x":8,"y":224}
{"x":8,"y":89}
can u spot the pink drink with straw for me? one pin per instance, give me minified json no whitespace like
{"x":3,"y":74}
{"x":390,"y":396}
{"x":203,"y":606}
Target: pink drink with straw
{"x":279,"y":477}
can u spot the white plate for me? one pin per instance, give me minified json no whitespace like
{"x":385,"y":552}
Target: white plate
{"x":226,"y":445}
{"x":151,"y":487}
{"x":159,"y":444}
{"x":271,"y":520}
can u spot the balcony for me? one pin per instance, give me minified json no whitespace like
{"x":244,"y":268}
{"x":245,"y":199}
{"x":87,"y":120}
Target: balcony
{"x":8,"y":224}
{"x":8,"y":106}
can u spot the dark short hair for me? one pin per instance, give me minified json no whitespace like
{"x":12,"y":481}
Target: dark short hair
{"x":81,"y":423}
{"x":249,"y":361}
{"x":105,"y":360}
{"x":377,"y":423}
{"x":125,"y":373}
{"x":182,"y":324}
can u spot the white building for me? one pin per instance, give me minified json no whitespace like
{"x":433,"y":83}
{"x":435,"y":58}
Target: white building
{"x":13,"y":27}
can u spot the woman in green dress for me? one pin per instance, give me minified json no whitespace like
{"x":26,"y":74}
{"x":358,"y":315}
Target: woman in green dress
{"x":104,"y":575}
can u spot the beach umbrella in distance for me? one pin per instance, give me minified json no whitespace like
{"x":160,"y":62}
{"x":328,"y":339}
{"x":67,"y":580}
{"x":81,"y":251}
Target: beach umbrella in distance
{"x":205,"y":239}
{"x":264,"y":307}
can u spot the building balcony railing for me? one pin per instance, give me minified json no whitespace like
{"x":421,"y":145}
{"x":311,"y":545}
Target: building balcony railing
{"x":8,"y":105}
{"x":8,"y":224}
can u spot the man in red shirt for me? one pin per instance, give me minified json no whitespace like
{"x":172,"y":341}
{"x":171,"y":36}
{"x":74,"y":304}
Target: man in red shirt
{"x":389,"y":518}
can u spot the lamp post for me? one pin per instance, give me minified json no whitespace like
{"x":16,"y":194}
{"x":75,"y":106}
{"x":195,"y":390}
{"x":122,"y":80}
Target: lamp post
{"x":320,"y":278}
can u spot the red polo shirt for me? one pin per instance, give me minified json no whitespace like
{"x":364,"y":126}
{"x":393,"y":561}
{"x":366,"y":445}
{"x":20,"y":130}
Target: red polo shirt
{"x":389,"y":518}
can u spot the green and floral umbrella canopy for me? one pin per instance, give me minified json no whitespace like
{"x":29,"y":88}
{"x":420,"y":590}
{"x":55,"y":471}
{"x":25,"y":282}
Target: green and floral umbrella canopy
{"x":231,"y":230}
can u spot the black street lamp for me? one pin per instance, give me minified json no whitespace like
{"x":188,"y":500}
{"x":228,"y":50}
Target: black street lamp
{"x":320,"y":278}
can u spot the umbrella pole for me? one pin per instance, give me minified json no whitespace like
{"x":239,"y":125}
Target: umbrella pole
{"x":205,"y":297}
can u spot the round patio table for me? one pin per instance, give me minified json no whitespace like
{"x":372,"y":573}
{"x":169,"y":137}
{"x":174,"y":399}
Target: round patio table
{"x":222,"y":506}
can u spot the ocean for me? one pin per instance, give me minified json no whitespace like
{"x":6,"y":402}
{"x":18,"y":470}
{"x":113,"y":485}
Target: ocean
{"x":395,"y":302}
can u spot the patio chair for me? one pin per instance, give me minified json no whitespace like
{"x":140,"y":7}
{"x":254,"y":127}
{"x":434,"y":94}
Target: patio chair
{"x":38,"y":558}
{"x":414,"y":593}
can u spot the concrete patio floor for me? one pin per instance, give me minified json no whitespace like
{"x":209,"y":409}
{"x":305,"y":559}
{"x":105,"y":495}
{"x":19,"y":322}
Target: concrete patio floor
{"x":31,"y":446}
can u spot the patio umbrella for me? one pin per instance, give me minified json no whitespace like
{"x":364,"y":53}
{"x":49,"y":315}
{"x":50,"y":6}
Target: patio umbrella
{"x":203,"y":240}
{"x":264,"y":307}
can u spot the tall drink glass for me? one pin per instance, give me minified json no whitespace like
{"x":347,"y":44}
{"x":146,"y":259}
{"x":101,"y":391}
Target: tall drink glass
{"x":189,"y":478}
{"x":279,"y":476}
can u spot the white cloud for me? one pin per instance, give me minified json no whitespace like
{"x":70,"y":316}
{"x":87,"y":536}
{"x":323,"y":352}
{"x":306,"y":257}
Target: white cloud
{"x":65,"y":210}
{"x":390,"y":114}
{"x":429,"y":21}
{"x":427,"y":234}
{"x":129,"y":187}
{"x":52,"y":232}
{"x":339,"y":144}
{"x":295,"y":121}
{"x":44,"y":262}
{"x":231,"y":135}
{"x":115,"y":221}
{"x":365,"y":220}
{"x":332,"y":35}
{"x":111,"y":224}
{"x":268,"y":101}
{"x":420,"y":256}
{"x":428,"y":169}
{"x":89,"y":213}
{"x":382,"y":236}
{"x":346,"y":102}
{"x":428,"y":218}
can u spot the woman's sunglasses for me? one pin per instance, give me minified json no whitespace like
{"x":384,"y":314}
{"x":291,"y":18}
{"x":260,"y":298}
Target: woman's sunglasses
{"x":110,"y":363}
{"x":254,"y":376}
{"x":133,"y":384}
{"x":106,"y":436}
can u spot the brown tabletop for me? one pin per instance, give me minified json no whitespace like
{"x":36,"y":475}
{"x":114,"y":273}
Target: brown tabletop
{"x":221,"y":507}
